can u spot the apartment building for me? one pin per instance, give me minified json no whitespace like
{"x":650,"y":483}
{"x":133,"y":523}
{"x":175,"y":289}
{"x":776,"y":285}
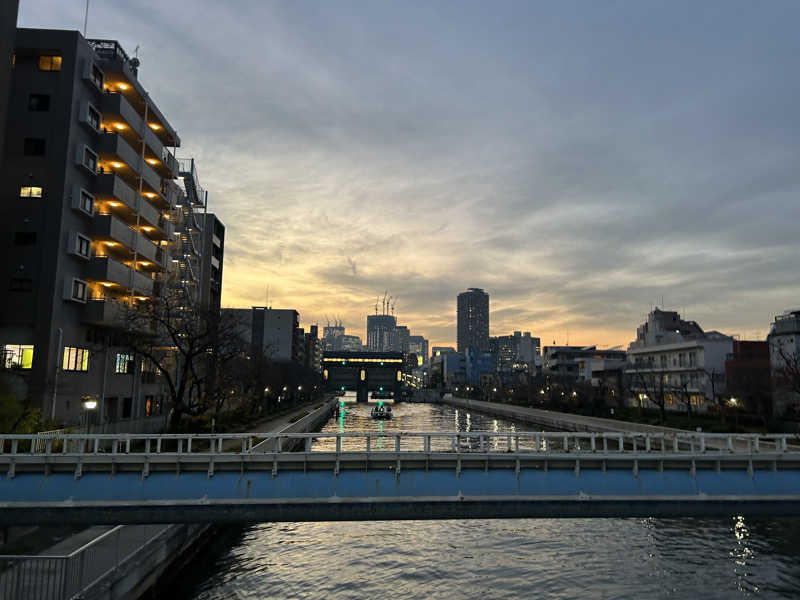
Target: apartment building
{"x":90,"y":199}
{"x":784,"y":357}
{"x":676,"y":358}
{"x":276,"y":332}
{"x":213,"y":247}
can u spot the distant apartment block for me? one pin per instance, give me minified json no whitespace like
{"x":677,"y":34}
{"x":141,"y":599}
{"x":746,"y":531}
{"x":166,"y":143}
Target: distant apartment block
{"x":472,"y":316}
{"x":274,"y":332}
{"x":784,"y":356}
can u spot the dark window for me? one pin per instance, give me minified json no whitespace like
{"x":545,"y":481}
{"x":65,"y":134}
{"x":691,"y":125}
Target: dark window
{"x":83,"y":246}
{"x":111,"y":408}
{"x":21,"y":284}
{"x":78,"y":290}
{"x":97,"y":77}
{"x":93,"y":117}
{"x":34,"y":146}
{"x":89,"y":160}
{"x":127,"y":408}
{"x":25,"y":238}
{"x":39,"y":102}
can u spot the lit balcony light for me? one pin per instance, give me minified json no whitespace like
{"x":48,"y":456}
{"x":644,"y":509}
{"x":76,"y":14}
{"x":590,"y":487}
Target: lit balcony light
{"x":106,"y":284}
{"x":123,"y":86}
{"x":154,"y":126}
{"x":111,"y":244}
{"x":113,"y":204}
{"x":145,"y":263}
{"x":116,"y":165}
{"x":119,"y":126}
{"x":152,"y":161}
{"x":147,"y":228}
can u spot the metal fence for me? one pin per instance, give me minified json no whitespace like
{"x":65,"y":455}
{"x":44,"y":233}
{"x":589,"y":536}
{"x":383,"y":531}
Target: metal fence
{"x":400,"y":441}
{"x":44,"y":577}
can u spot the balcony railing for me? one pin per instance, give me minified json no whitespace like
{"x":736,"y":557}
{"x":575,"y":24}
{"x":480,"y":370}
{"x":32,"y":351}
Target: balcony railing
{"x":115,"y":145}
{"x":104,"y":268}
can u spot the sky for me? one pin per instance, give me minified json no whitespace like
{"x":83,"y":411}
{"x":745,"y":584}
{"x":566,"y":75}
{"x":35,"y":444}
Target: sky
{"x":580,"y":161}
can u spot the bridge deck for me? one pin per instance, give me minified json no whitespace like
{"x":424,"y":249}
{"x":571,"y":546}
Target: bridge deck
{"x":149,"y":479}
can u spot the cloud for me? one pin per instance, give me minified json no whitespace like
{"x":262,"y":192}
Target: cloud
{"x":577,"y":164}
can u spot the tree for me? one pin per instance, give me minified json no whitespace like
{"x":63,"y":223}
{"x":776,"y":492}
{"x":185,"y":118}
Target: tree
{"x":189,"y":347}
{"x":651,"y":385}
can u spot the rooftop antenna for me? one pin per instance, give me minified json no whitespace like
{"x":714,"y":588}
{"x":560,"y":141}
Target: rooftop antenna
{"x":393,"y":303}
{"x":376,"y":304}
{"x":86,"y":18}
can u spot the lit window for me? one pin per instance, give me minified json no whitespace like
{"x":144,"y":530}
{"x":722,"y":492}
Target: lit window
{"x":83,"y":246}
{"x":89,"y":160}
{"x":75,"y":359}
{"x":124,"y":364}
{"x":50,"y":63}
{"x":79,"y":290}
{"x":15,"y":355}
{"x":28,"y":191}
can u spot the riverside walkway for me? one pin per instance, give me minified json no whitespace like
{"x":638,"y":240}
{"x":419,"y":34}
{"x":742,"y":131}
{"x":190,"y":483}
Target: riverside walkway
{"x":419,"y":475}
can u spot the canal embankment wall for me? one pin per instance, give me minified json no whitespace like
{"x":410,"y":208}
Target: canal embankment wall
{"x":552,"y":420}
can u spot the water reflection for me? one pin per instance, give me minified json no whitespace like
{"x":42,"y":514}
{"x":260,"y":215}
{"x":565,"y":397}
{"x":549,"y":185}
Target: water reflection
{"x":567,"y":558}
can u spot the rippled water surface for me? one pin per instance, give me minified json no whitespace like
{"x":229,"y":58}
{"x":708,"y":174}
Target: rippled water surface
{"x":536,"y":558}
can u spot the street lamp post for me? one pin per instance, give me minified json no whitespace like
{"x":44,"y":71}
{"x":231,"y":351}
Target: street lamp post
{"x":734,"y":402}
{"x":89,"y":404}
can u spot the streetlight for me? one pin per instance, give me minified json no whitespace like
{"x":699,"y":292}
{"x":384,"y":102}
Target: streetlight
{"x":734,"y":402}
{"x":89,"y":404}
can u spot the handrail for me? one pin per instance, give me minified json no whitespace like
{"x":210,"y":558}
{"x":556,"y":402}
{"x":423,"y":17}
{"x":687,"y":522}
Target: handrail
{"x":545,"y":442}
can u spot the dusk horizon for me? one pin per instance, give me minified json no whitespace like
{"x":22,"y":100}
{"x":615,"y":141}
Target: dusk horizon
{"x":578,"y":162}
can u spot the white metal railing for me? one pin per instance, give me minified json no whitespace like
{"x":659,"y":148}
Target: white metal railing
{"x":403,"y":441}
{"x":60,"y":577}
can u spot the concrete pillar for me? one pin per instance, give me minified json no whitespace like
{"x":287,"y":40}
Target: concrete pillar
{"x":362,"y":394}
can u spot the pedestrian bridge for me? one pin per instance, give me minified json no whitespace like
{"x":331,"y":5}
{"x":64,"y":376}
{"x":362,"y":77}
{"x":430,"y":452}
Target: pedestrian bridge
{"x":104,"y":479}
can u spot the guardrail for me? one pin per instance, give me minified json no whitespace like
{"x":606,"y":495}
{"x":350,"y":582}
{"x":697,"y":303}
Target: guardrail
{"x":541,"y":442}
{"x":48,"y":577}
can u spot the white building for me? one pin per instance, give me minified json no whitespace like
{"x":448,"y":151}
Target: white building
{"x":784,"y":347}
{"x":677,"y":359}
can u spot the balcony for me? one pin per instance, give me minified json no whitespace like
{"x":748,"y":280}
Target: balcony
{"x":105,"y":313}
{"x":111,"y":186}
{"x":126,"y":162}
{"x":106,"y":269}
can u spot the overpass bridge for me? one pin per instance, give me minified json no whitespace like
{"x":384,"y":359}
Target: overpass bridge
{"x":111,"y":479}
{"x":363,"y":372}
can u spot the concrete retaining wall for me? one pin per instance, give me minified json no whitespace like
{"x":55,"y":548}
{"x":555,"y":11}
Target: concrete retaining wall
{"x":552,"y":420}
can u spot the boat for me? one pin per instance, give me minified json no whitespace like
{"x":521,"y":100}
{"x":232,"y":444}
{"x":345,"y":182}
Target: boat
{"x":381,"y":412}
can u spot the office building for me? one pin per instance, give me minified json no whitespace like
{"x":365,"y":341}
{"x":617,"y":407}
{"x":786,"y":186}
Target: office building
{"x":273,"y":332}
{"x":473,"y":320}
{"x":89,"y":199}
{"x":380,"y":332}
{"x":8,"y":31}
{"x":418,"y":345}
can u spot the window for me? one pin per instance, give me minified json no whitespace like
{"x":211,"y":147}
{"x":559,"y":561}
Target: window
{"x":127,"y":407}
{"x":124,"y":364}
{"x":86,"y":202}
{"x":78,"y":290}
{"x":25,"y":238}
{"x":152,"y":406}
{"x":39,"y":102}
{"x":34,"y":147}
{"x":21,"y":284}
{"x":75,"y":359}
{"x":83,"y":246}
{"x":50,"y":62}
{"x":19,"y":356}
{"x":29,"y":191}
{"x":93,"y":117}
{"x":89,"y":159}
{"x":96,"y":75}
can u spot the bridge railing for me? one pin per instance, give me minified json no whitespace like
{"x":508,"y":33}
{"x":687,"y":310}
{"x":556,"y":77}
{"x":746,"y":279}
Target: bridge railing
{"x":48,"y":577}
{"x":546,"y":442}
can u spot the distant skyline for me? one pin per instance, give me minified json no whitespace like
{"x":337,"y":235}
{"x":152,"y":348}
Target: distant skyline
{"x":579,"y":161}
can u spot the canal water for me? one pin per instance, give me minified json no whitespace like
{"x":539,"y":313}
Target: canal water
{"x":531,"y":558}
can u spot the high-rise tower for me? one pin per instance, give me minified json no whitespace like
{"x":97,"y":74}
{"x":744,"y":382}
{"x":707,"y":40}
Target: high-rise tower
{"x":473,"y":320}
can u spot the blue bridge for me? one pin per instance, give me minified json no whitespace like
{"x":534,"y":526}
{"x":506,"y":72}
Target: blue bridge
{"x":126,"y":478}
